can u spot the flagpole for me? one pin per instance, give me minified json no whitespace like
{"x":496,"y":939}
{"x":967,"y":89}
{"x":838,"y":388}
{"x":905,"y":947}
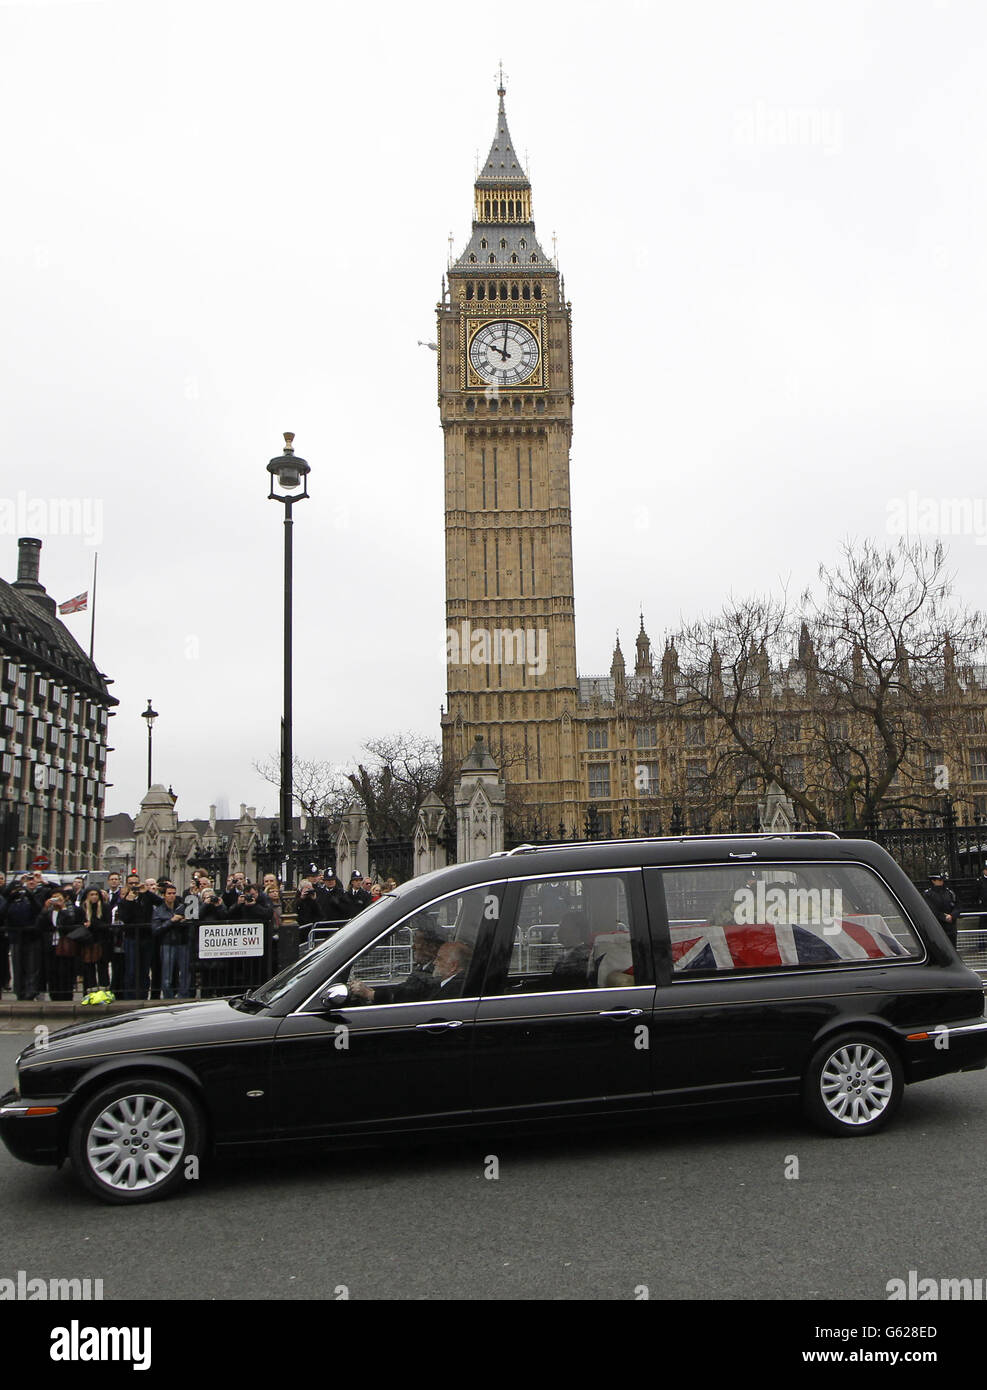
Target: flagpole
{"x":92,"y":620}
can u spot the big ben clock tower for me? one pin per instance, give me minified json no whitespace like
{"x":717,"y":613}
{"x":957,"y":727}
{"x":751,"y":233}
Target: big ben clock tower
{"x":505,"y":398}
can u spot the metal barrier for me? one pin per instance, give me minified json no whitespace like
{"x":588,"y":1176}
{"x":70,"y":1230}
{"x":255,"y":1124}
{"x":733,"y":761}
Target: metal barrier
{"x":971,"y":942}
{"x":393,"y":961}
{"x":317,"y":935}
{"x":535,"y":951}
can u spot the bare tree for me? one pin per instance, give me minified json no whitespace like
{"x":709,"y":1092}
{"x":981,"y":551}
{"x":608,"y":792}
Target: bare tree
{"x":389,"y":785}
{"x":394,"y":781}
{"x":321,"y":791}
{"x":844,"y":700}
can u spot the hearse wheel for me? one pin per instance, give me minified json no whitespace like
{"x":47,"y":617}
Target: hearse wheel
{"x":853,"y":1084}
{"x":132,"y":1141}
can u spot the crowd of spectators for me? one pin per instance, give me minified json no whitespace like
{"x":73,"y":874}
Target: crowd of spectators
{"x":139,"y":938}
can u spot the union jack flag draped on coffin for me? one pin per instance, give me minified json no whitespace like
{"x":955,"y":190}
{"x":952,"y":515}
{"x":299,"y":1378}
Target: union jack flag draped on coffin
{"x":699,"y":946}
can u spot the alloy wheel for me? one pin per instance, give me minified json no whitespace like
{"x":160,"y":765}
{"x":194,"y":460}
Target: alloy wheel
{"x":856,"y":1084}
{"x":135,"y":1143}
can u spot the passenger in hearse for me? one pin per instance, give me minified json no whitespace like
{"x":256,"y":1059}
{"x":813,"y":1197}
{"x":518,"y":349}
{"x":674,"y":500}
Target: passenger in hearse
{"x":570,"y":971}
{"x":452,"y":965}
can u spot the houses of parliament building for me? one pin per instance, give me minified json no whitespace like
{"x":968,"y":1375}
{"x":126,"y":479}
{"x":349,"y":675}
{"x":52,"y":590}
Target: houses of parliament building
{"x":625,"y":750}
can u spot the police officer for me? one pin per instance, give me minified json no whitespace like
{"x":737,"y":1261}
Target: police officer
{"x":332,"y":898}
{"x":357,"y":897}
{"x":942,"y":900}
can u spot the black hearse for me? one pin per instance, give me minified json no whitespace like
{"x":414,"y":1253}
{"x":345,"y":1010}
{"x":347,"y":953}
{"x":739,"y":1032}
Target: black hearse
{"x":570,"y":982}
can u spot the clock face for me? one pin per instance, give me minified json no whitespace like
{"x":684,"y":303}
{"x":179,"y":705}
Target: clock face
{"x":504,"y":352}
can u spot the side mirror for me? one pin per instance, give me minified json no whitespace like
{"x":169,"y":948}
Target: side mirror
{"x":334,"y":997}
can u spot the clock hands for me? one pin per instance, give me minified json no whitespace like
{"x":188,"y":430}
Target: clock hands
{"x":504,"y":353}
{"x":515,"y":356}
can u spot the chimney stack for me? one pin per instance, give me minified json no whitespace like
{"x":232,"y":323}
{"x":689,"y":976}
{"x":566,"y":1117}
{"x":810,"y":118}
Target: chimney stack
{"x":28,"y":569}
{"x":28,"y":560}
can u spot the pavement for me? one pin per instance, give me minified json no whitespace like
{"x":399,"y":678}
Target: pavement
{"x":16,"y":1013}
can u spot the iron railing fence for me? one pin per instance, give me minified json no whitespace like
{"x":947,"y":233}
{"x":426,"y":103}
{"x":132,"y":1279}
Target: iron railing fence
{"x":392,"y":858}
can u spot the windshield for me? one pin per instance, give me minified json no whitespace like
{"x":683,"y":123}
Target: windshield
{"x":329,"y":954}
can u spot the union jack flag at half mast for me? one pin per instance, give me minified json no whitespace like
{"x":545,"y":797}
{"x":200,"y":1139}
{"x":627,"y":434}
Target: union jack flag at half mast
{"x":75,"y":605}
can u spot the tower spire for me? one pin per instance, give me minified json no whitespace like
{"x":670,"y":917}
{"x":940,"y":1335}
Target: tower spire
{"x":643,"y":662}
{"x":503,"y":221}
{"x":502,"y":165}
{"x":618,"y":672}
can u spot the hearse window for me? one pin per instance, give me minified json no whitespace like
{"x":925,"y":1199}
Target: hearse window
{"x":429,"y":956}
{"x":728,"y":918}
{"x":572,"y":933}
{"x":336,"y":948}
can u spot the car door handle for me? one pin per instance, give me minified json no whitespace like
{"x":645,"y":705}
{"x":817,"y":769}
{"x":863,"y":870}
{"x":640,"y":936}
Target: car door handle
{"x":436,"y":1026}
{"x":621,"y":1013}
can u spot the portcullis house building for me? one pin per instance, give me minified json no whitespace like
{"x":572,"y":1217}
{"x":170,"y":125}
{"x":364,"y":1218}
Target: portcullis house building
{"x":54,"y":715}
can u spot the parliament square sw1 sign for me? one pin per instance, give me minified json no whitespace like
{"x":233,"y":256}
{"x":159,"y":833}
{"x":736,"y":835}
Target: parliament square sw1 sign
{"x":218,"y":940}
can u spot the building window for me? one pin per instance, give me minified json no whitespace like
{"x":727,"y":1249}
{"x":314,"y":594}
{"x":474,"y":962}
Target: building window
{"x":978,"y":763}
{"x":748,"y":775}
{"x":599,"y":780}
{"x":596,"y":736}
{"x":647,"y":736}
{"x":789,"y":730}
{"x":646,"y":779}
{"x":794,"y":769}
{"x":695,"y":734}
{"x":695,"y":775}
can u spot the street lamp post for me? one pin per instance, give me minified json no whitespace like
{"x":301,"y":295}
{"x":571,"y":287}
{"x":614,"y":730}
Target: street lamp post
{"x":150,"y":715}
{"x":292,"y":475}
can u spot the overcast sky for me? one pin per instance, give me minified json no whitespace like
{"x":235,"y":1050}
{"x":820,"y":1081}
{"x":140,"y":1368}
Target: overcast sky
{"x":223,"y":221}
